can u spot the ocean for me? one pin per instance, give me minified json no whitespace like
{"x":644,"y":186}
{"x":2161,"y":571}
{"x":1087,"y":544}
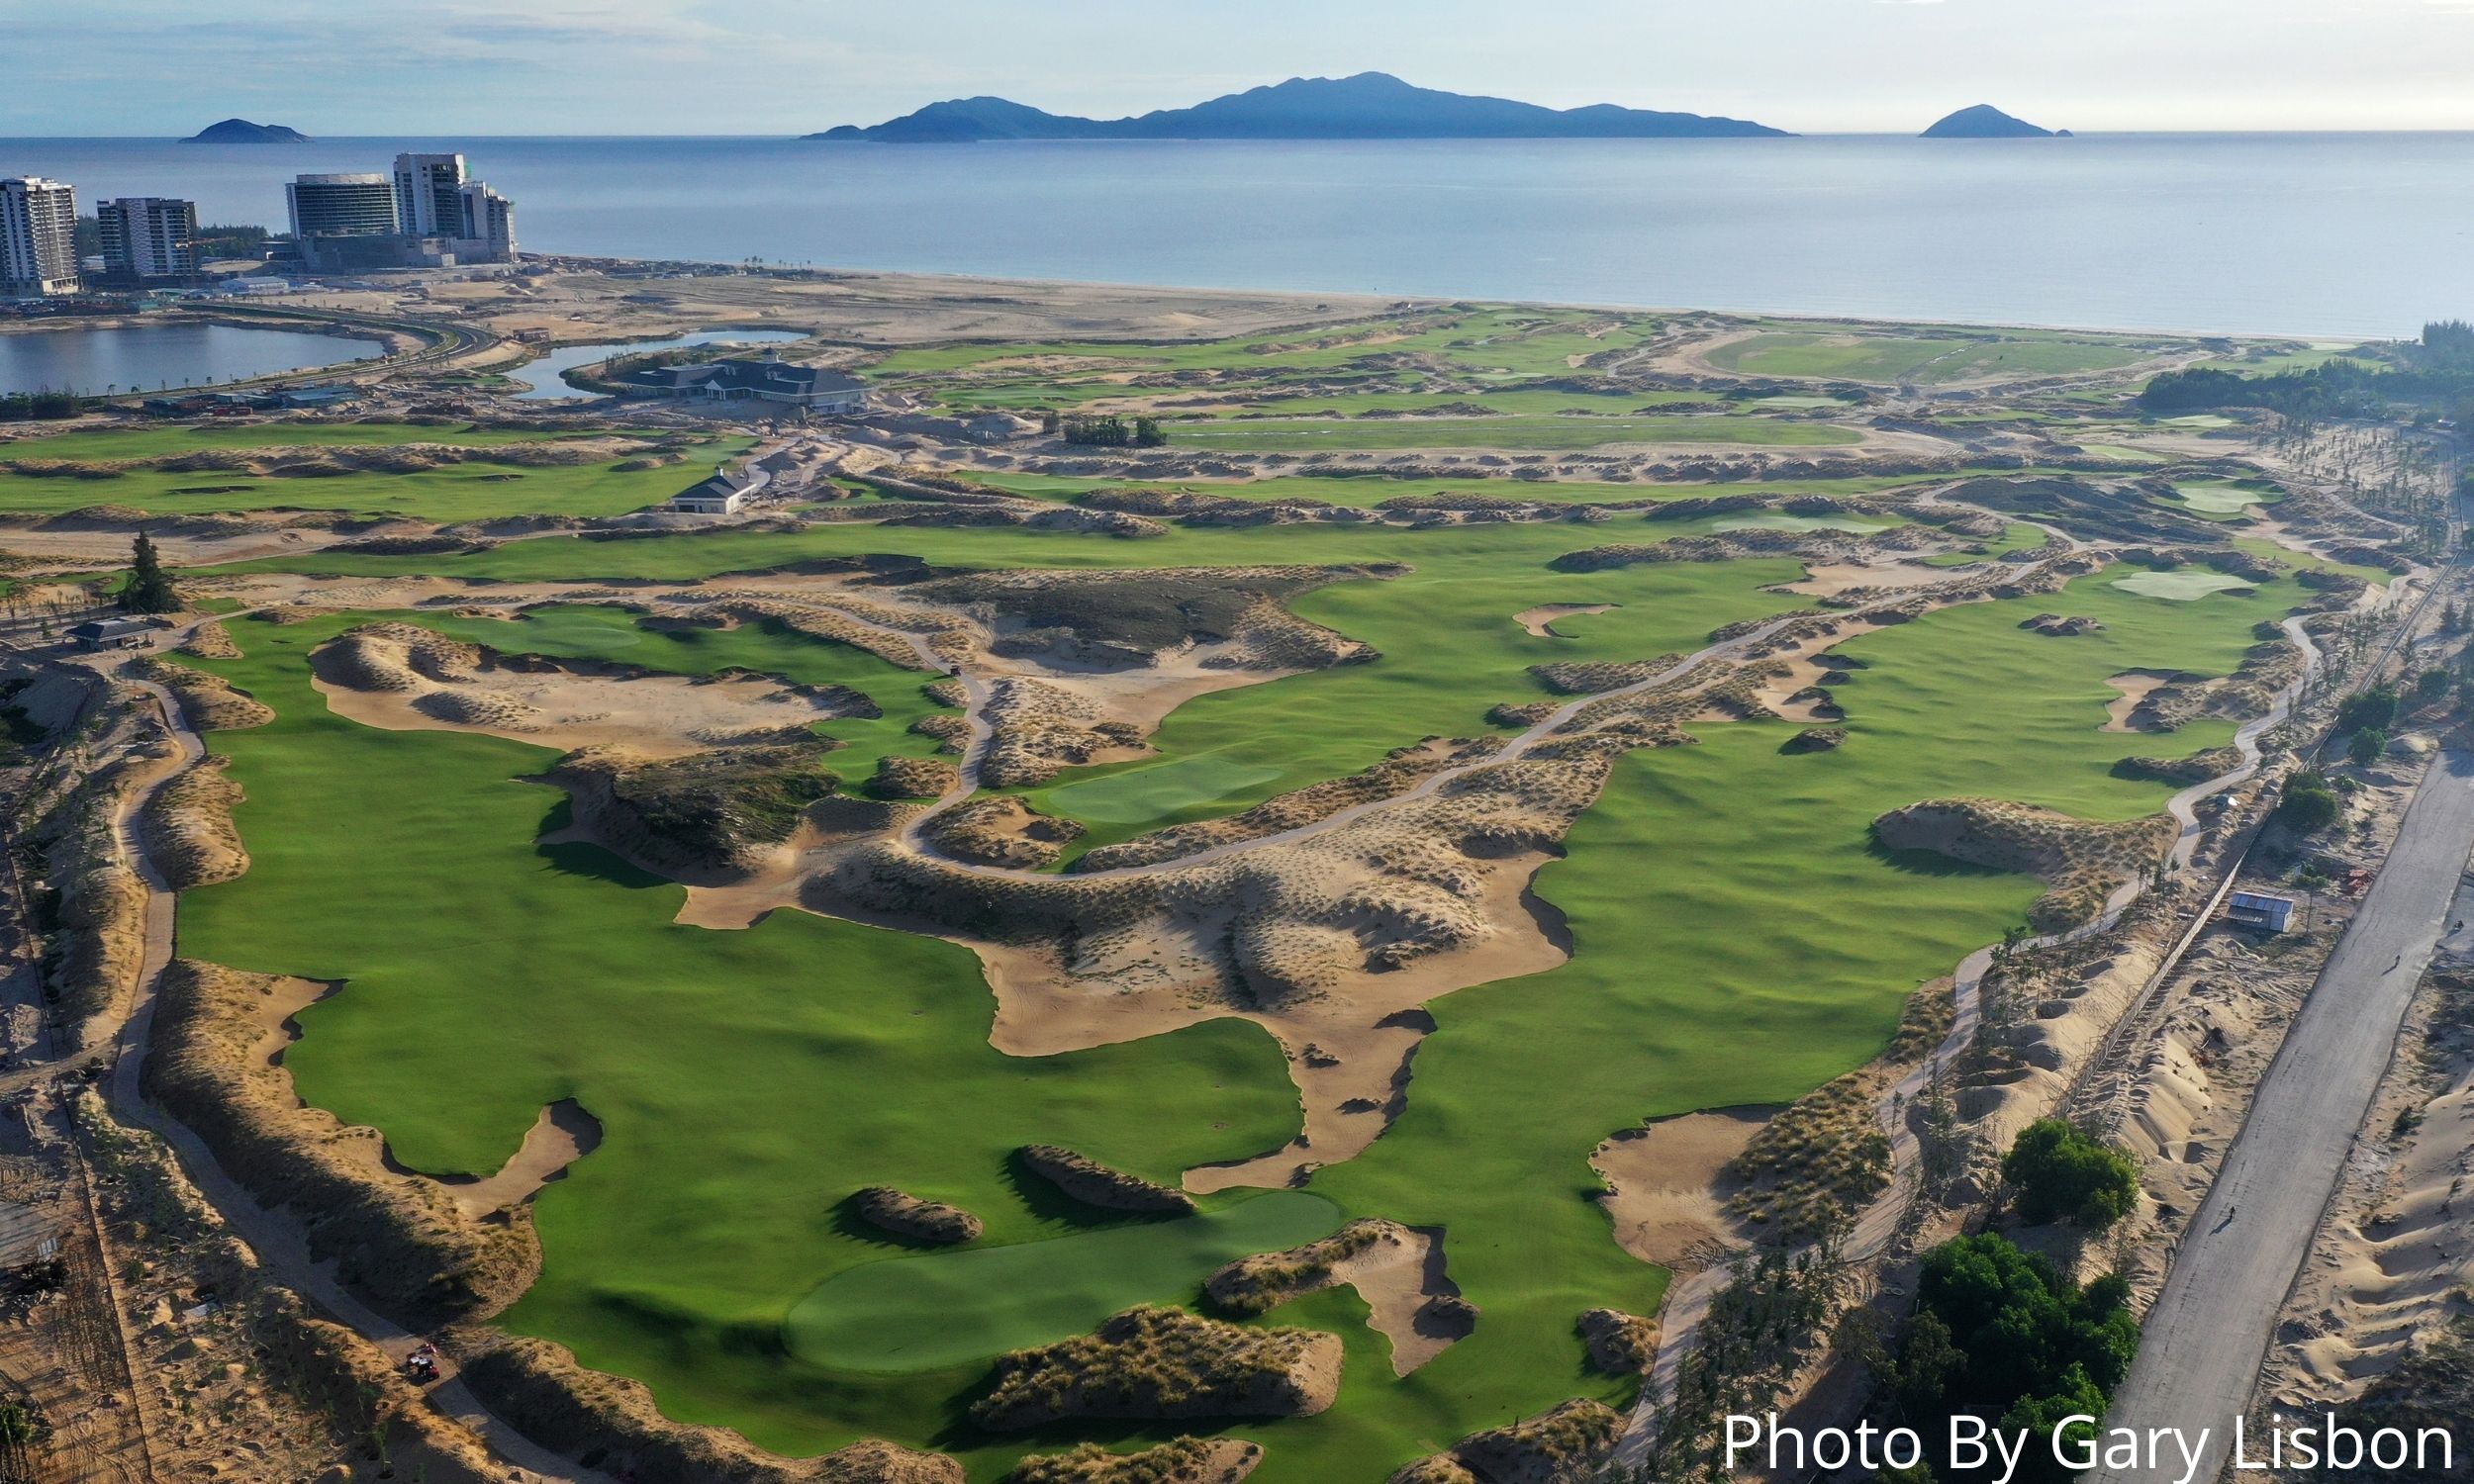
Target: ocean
{"x":2322,"y":236}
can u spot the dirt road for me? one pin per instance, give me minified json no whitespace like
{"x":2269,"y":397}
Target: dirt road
{"x":2211,"y":1326}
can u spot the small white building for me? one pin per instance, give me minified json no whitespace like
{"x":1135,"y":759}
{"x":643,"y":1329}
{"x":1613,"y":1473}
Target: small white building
{"x":726,"y":493}
{"x":2259,"y":909}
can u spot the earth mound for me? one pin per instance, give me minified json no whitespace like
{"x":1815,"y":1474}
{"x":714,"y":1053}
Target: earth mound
{"x":906,"y":1215}
{"x":2082,"y":861}
{"x":1259,"y":1284}
{"x":1188,"y":1460}
{"x":1567,"y":1443}
{"x":1620,"y":1343}
{"x":724,"y":808}
{"x":1083,"y":1178}
{"x":1155,"y":1362}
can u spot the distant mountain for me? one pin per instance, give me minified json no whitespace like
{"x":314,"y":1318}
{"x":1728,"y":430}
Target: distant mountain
{"x":1985,"y":122}
{"x":242,"y":131}
{"x":1369,"y":106}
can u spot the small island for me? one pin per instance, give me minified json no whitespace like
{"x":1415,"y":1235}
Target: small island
{"x":242,"y":131}
{"x":1985,"y":122}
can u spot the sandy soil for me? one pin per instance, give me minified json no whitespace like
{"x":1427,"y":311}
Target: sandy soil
{"x":1396,"y":1279}
{"x":562,"y":1135}
{"x":657,"y":715}
{"x":1830,"y":579}
{"x":1539,"y":620}
{"x":1663,"y":1183}
{"x":2135,"y":686}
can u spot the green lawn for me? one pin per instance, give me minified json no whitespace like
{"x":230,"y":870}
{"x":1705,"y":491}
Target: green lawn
{"x":933,"y":1311}
{"x":2225,"y":499}
{"x":747,"y":1081}
{"x":1287,"y":436}
{"x":456,"y":491}
{"x":1873,"y":355}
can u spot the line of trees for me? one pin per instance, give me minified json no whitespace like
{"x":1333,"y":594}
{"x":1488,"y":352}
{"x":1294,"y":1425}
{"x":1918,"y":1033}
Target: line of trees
{"x":1111,"y":431}
{"x":35,"y":406}
{"x":2436,"y":372}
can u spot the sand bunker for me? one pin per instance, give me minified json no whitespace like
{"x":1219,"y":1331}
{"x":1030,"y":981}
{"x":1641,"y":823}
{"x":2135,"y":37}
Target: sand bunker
{"x":400,"y":677}
{"x":562,"y":1135}
{"x":2135,"y":686}
{"x":1663,"y":1183}
{"x":1539,"y":620}
{"x":1398,"y":1270}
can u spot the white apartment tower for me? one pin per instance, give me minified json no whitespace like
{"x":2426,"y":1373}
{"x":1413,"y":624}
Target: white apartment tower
{"x":489,"y":226}
{"x":148,"y":236}
{"x":428,"y":195}
{"x":38,"y":237}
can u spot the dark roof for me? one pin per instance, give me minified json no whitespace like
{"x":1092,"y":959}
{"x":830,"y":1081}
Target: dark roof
{"x":110,"y":629}
{"x":746,"y":373}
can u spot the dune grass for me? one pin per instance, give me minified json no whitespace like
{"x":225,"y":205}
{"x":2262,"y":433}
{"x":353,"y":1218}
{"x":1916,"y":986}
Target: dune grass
{"x":454,"y":491}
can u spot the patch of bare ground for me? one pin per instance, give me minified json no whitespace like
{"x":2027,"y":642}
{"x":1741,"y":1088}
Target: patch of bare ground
{"x":210,"y":641}
{"x":1845,"y":579}
{"x":1398,"y":1270}
{"x":1563,"y":1446}
{"x":403,"y":678}
{"x":1153,"y":1362}
{"x":207,"y":702}
{"x":2379,"y":1312}
{"x":1664,"y":1181}
{"x":1188,"y":1460}
{"x":1001,"y":830}
{"x":1539,"y":622}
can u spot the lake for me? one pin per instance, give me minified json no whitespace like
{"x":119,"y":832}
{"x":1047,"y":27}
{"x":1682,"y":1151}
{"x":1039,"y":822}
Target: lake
{"x":543,"y":376}
{"x":2332,"y":235}
{"x":158,"y":355}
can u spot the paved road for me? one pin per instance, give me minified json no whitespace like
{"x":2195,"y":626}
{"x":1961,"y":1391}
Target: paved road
{"x":2210,"y":1329}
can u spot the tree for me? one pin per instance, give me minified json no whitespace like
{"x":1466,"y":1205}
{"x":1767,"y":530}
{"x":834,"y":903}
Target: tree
{"x":149,"y":588}
{"x":2065,"y":1175}
{"x":2366,"y":746}
{"x":2309,"y":804}
{"x":2374,"y":706}
{"x":2430,"y":686}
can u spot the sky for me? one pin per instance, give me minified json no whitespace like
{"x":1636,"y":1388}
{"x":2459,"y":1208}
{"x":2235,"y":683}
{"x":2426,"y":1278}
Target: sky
{"x":345,"y":67}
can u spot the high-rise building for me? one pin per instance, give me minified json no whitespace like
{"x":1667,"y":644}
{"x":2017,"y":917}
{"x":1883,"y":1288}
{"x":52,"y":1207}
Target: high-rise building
{"x":38,"y":237}
{"x":428,"y":195}
{"x":341,"y":206}
{"x":148,"y":236}
{"x":489,"y":226}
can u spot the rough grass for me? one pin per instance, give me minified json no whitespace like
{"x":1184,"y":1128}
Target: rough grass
{"x":1305,"y":435}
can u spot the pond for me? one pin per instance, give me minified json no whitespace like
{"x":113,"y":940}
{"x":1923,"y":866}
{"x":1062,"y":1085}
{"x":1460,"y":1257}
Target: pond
{"x":160,"y":356}
{"x":546,"y":378}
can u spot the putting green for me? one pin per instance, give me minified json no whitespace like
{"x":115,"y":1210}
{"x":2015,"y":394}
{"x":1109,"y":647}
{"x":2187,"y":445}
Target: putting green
{"x":943,"y":1308}
{"x":1154,"y":790}
{"x":2219,"y":496}
{"x":2179,"y":587}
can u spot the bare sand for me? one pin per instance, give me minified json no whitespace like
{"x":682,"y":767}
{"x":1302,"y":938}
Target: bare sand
{"x":1663,"y":1183}
{"x":1539,"y":620}
{"x":2135,"y":686}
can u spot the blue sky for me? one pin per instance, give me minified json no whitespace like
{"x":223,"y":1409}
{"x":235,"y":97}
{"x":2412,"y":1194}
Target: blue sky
{"x":779,"y":66}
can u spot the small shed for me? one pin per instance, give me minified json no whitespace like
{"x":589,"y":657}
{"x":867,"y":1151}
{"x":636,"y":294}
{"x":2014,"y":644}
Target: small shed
{"x":2259,"y":909}
{"x":722,"y":494}
{"x":98,"y":635}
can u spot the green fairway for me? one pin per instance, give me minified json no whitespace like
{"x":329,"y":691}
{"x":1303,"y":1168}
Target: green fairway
{"x":1305,"y":435}
{"x":748,"y":1081}
{"x":943,"y":1308}
{"x":454,"y":491}
{"x":1879,"y":356}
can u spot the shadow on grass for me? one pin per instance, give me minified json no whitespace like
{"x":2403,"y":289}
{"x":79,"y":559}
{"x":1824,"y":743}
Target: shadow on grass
{"x":1917,"y":862}
{"x":1045,"y":1201}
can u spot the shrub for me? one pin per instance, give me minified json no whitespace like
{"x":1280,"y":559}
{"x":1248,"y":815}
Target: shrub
{"x":2373,"y":708}
{"x":2366,"y":746}
{"x":2065,"y":1175}
{"x":2309,"y":804}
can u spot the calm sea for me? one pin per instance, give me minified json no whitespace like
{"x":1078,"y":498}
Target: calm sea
{"x":2313,"y":234}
